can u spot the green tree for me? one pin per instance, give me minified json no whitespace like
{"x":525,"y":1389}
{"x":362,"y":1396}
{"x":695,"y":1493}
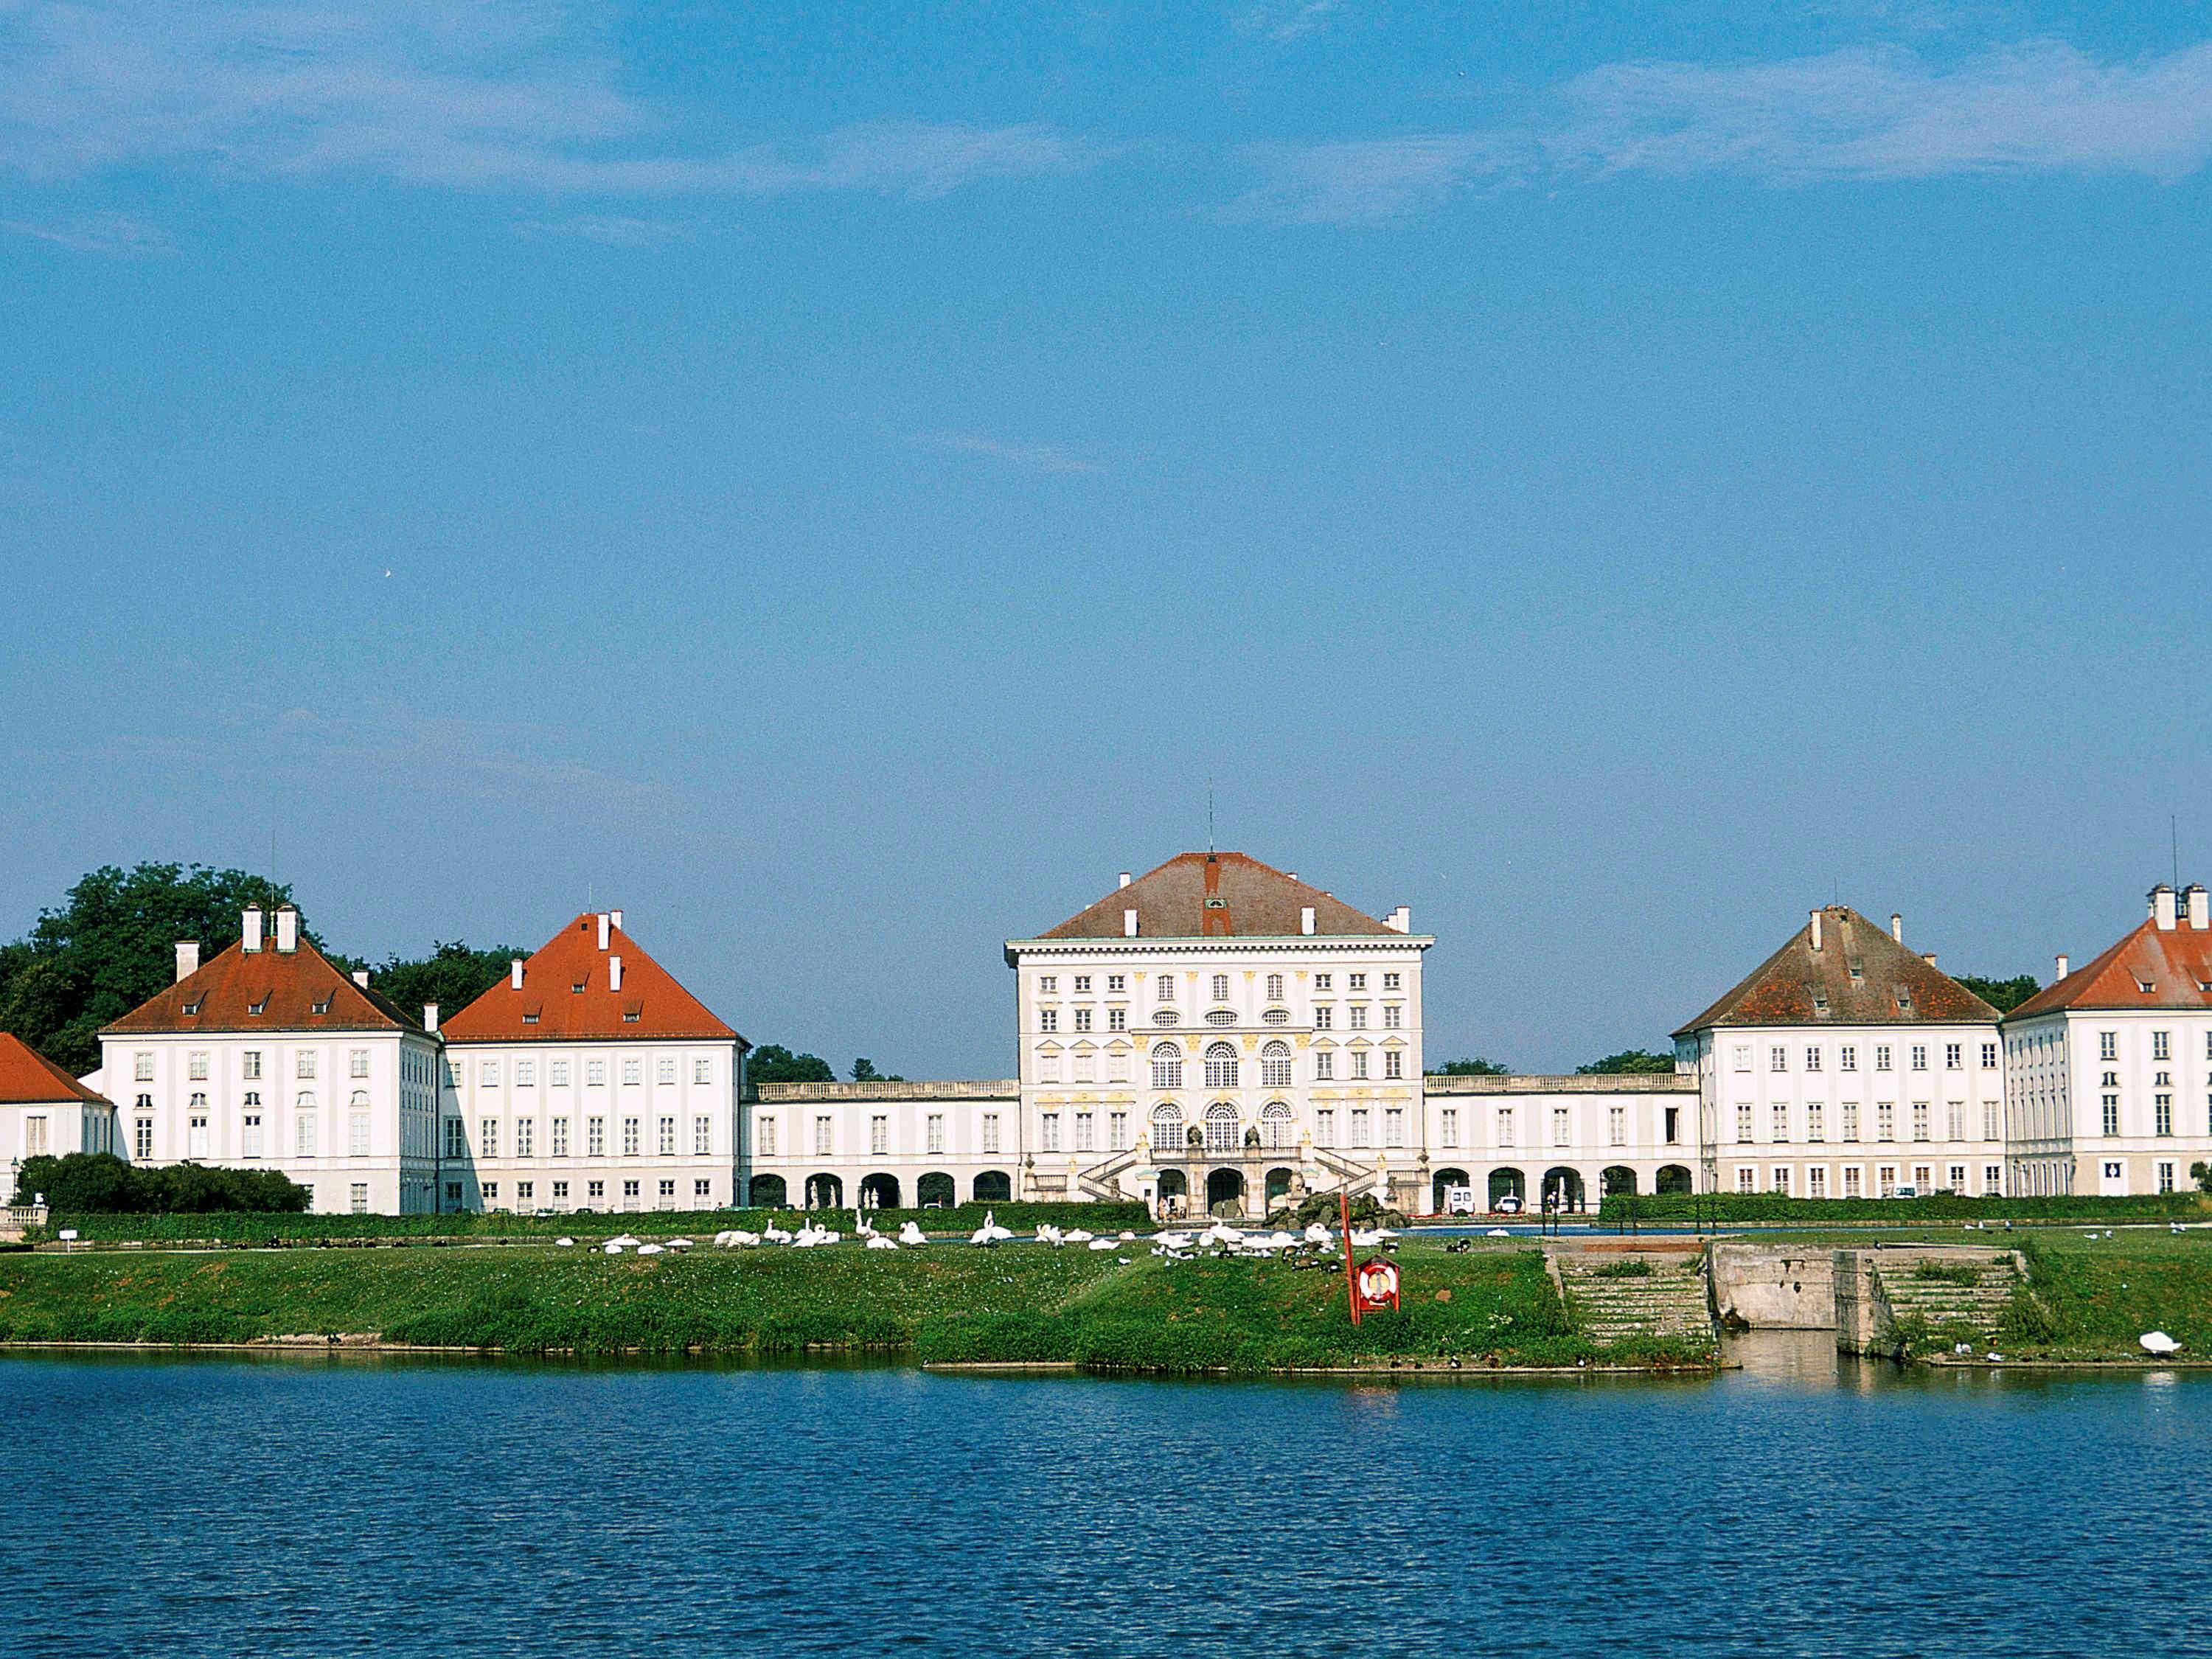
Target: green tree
{"x":774,"y":1063}
{"x":2201,"y":1175}
{"x":1627,"y":1062}
{"x":2002,"y":994}
{"x":1471,"y":1067}
{"x":452,"y":976}
{"x":111,"y":946}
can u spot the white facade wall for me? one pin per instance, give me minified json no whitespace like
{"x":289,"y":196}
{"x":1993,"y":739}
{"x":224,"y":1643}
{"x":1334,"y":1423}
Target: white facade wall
{"x":647,"y":1124}
{"x":2108,"y":1102}
{"x":1321,"y":1036}
{"x":1834,"y":1111}
{"x":349,"y":1114}
{"x":57,"y":1128}
{"x":884,"y":1144}
{"x":1561,"y":1138}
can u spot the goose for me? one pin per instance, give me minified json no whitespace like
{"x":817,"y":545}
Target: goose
{"x":878,"y":1242}
{"x":649,"y":1249}
{"x":2159,"y":1343}
{"x":912,"y":1234}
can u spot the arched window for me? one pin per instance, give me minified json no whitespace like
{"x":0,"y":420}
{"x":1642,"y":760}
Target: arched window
{"x":307,"y":1101}
{"x":1167,"y":1066}
{"x":1275,"y":1066}
{"x":1221,"y":1127}
{"x":1221,"y":1066}
{"x":1275,"y":1125}
{"x":1167,"y":1127}
{"x":360,"y":1096}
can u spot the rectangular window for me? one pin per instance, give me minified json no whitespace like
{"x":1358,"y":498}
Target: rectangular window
{"x":251,"y":1061}
{"x":1048,"y":1068}
{"x":1882,"y":1056}
{"x":2161,"y":1045}
{"x":1958,"y":1179}
{"x":1047,"y":1019}
{"x":1988,"y":1056}
{"x":457,"y":1138}
{"x":1919,"y":1056}
{"x":595,"y":1190}
{"x":357,"y":1135}
{"x":1990,"y":1131}
{"x":821,"y":1137}
{"x":143,"y":1137}
{"x":703,"y":1136}
{"x":764,"y":1137}
{"x":1163,"y":987}
{"x":1117,"y":1019}
{"x":357,"y":1062}
{"x":2108,"y":1045}
{"x":1082,"y":1019}
{"x":1356,"y":982}
{"x":702,"y":1071}
{"x":1816,"y":1182}
{"x":633,"y":1138}
{"x":196,"y":1142}
{"x":1885,"y":1181}
{"x":1324,"y":1066}
{"x":560,"y":1137}
{"x":488,"y":1137}
{"x":990,"y":1131}
{"x":2111,"y":1106}
{"x":360,"y":1198}
{"x":1085,"y":1134}
{"x":525,"y":1192}
{"x":1743,"y":1056}
{"x":525,"y":1073}
{"x":1812,"y":1059}
{"x":879,"y":1136}
{"x":1673,"y":1125}
{"x":1885,"y":1120}
{"x":488,"y":1073}
{"x":1393,"y":1126}
{"x":1992,"y":1179}
{"x":1559,"y":1131}
{"x":667,"y":1137}
{"x":1920,"y":1119}
{"x":1359,"y":1063}
{"x":141,"y":1066}
{"x":1359,"y":1016}
{"x":1325,"y":1127}
{"x":1117,"y":1132}
{"x":1955,"y":1118}
{"x":1505,"y":1126}
{"x":303,"y":1063}
{"x":1324,"y":1019}
{"x":1782,"y":1179}
{"x":1848,"y":1058}
{"x":1049,"y":1125}
{"x":1392,"y":981}
{"x":1448,"y":1126}
{"x":633,"y":1073}
{"x":1851,"y":1181}
{"x":525,"y":1136}
{"x":1850,"y":1121}
{"x":1362,"y":1132}
{"x":2161,"y":1108}
{"x":1394,"y":1064}
{"x":629,"y":1198}
{"x":1816,"y":1123}
{"x":595,"y":1074}
{"x":1117,"y":1067}
{"x":560,"y":1074}
{"x":933,"y":1133}
{"x":1777,"y":1059}
{"x":1747,"y":1179}
{"x":595,"y":1137}
{"x":2165,"y":1176}
{"x":1781,"y":1120}
{"x":37,"y":1143}
{"x":1743,"y":1129}
{"x":1616,"y":1125}
{"x":1394,"y":1017}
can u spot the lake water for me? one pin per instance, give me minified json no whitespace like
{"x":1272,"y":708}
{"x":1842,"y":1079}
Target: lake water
{"x":356,"y":1505}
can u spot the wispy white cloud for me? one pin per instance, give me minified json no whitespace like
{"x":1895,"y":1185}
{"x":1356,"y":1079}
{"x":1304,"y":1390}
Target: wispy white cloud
{"x":1866,"y":113}
{"x":117,"y":235}
{"x":1285,"y":21}
{"x":1038,"y":458}
{"x":611,"y":229}
{"x":460,"y":94}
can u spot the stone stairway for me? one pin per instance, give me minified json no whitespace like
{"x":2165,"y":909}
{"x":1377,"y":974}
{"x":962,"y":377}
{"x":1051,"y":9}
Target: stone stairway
{"x":1668,"y":1304}
{"x":1967,"y":1311}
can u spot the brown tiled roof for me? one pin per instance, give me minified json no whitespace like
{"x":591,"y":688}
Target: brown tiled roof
{"x":2176,"y":963}
{"x":1216,"y":895}
{"x":550,"y":1008}
{"x":27,"y":1078}
{"x":287,"y":985}
{"x":1800,"y":986}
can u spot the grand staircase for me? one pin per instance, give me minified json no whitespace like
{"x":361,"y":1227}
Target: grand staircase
{"x":1611,"y":1304}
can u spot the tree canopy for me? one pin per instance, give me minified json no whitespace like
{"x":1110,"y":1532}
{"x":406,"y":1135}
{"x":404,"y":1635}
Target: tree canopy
{"x":864,"y":1071}
{"x":2002,"y":994}
{"x":1628,"y":1062}
{"x":111,"y":946}
{"x":774,"y":1063}
{"x":453,"y":976}
{"x":1471,"y":1066}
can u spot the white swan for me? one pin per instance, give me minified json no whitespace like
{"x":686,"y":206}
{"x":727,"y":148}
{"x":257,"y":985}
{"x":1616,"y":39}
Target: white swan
{"x":1105,"y":1244}
{"x":649,"y":1249}
{"x":743,"y":1240}
{"x":1076,"y":1236}
{"x":878,"y":1242}
{"x":679,"y":1244}
{"x":1047,"y":1234}
{"x":565,"y":1244}
{"x":2159,"y":1343}
{"x":911,"y":1234}
{"x":1317,"y":1234}
{"x":612,"y":1247}
{"x":776,"y":1234}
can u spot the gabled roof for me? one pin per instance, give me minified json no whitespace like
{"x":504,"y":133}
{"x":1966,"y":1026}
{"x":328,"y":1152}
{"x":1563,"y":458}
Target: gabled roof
{"x":1217,"y":895}
{"x":1800,"y":986}
{"x":2175,"y":962}
{"x":296,"y":990}
{"x":549,"y":1006}
{"x":27,"y":1078}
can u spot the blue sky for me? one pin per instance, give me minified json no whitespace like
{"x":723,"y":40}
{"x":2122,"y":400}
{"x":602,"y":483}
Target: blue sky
{"x":1607,"y":476}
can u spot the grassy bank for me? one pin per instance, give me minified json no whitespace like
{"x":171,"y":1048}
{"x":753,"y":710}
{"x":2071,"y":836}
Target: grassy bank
{"x":2089,"y":1299}
{"x":237,"y":1228}
{"x":1016,"y":1303}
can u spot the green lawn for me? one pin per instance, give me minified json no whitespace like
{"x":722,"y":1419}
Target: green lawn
{"x":2091,"y":1298}
{"x":950,"y":1303}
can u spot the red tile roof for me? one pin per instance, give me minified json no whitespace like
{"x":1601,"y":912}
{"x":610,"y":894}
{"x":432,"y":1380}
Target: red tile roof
{"x":1216,"y":895}
{"x":1800,"y":986}
{"x":2176,"y":963}
{"x":295,"y":990}
{"x":27,"y":1078}
{"x":549,"y":1006}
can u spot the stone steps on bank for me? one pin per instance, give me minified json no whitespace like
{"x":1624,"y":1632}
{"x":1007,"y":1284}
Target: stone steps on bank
{"x":1669,"y":1304}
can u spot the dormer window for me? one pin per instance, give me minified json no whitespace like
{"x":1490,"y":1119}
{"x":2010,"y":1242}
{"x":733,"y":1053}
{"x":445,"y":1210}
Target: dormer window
{"x":259,"y":1008}
{"x":1858,"y":972}
{"x":629,"y":1017}
{"x":191,"y":1008}
{"x":2147,"y":986}
{"x":1820,"y":999}
{"x":322,"y":1007}
{"x":578,"y":987}
{"x":530,"y":1019}
{"x":1904,"y":1000}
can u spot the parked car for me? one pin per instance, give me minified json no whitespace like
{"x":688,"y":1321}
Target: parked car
{"x":1508,"y":1205}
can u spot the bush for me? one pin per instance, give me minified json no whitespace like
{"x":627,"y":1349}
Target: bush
{"x":1948,"y":1272}
{"x":1778,"y":1207}
{"x":100,"y":1183}
{"x":1637,"y":1268}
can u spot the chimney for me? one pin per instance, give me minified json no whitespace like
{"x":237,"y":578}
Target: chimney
{"x":2162,"y":908}
{"x":430,"y":1017}
{"x":1816,"y":930}
{"x":614,"y":973}
{"x":1305,"y":920}
{"x":514,"y":973}
{"x":1128,"y":924}
{"x":361,"y":977}
{"x":615,"y":916}
{"x":1293,"y":874}
{"x":188,"y":958}
{"x":604,"y":919}
{"x":287,"y":929}
{"x":1401,"y":920}
{"x":1928,"y":956}
{"x":252,"y":940}
{"x":1897,"y":927}
{"x":2194,"y":905}
{"x":2064,"y":967}
{"x":1125,"y":879}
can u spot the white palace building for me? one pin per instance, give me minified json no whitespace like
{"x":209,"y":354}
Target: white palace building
{"x":1215,"y":1035}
